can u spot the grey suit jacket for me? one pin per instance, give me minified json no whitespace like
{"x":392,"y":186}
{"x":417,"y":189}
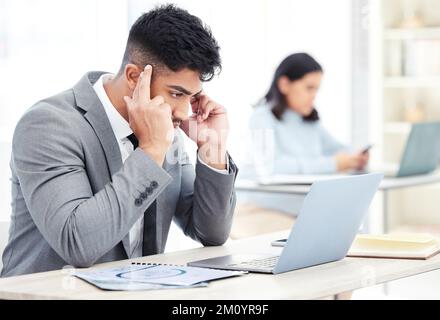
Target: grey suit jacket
{"x":74,"y":201}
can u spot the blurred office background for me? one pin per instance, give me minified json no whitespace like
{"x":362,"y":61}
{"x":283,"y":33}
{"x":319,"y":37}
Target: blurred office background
{"x":381,"y":73}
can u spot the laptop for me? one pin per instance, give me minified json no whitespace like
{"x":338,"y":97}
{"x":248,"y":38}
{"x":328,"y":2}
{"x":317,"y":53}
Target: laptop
{"x":421,"y":156}
{"x":422,"y":151}
{"x":329,"y":220}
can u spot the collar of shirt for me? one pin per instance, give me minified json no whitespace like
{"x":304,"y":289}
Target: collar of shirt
{"x":290,"y":115}
{"x":120,"y":126}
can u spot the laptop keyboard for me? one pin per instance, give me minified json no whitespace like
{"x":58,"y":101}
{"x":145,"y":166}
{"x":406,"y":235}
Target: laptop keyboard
{"x":266,"y":263}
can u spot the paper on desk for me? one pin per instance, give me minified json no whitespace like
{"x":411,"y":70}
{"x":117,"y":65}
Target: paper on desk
{"x":123,"y":285}
{"x":134,"y":276}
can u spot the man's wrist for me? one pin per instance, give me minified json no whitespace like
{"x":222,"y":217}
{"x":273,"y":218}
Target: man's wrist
{"x":214,"y":156}
{"x":156,"y":156}
{"x":217,"y":166}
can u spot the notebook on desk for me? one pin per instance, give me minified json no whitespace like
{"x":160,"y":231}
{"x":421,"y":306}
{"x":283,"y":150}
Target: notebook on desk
{"x":400,"y":246}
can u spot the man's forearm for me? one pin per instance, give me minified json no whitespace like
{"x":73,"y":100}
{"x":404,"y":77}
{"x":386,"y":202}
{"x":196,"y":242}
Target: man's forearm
{"x":209,"y":211}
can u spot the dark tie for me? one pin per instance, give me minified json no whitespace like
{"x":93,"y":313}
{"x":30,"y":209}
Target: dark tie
{"x":134,"y":141}
{"x":149,"y":245}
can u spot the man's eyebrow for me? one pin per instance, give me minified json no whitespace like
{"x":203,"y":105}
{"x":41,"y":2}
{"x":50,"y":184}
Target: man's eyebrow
{"x":183,"y":90}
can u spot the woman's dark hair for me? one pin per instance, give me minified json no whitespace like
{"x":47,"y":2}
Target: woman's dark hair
{"x":294,"y":67}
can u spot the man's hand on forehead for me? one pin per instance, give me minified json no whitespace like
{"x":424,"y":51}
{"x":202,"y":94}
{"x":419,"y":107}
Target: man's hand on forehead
{"x":150,"y":118}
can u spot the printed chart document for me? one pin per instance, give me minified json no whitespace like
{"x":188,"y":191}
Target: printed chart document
{"x":397,"y":245}
{"x":153,"y":276}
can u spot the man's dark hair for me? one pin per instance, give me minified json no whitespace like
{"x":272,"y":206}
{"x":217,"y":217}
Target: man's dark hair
{"x":170,"y":36}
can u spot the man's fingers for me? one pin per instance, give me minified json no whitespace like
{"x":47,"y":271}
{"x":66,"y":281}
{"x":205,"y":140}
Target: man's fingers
{"x":209,"y":108}
{"x":195,"y":105}
{"x":135,"y":94}
{"x":144,"y":84}
{"x":198,"y":103}
{"x":167,"y":108}
{"x":158,"y":100}
{"x":127,"y":101}
{"x":201,"y":107}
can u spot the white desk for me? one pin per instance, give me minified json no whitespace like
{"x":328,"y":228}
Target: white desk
{"x":309,"y":283}
{"x":387,"y":184}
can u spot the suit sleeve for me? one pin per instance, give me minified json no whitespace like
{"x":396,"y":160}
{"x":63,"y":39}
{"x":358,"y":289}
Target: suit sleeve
{"x":207,"y":201}
{"x":79,"y":225}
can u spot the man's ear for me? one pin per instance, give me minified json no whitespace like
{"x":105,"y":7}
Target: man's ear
{"x":283,"y":83}
{"x":131,"y":73}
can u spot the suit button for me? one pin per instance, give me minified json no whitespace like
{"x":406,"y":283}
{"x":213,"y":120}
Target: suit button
{"x":154,"y":184}
{"x":138,"y":202}
{"x":149,"y":190}
{"x":144,"y":195}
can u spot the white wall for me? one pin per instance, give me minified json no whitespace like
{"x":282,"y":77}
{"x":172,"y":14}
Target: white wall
{"x":45,"y":47}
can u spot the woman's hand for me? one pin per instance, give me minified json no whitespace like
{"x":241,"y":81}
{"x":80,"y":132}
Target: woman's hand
{"x":357,"y":161}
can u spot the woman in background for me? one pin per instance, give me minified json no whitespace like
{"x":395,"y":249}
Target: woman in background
{"x":288,"y":138}
{"x":287,"y":113}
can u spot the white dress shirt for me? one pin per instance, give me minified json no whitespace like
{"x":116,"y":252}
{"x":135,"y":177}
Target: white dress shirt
{"x":122,"y":129}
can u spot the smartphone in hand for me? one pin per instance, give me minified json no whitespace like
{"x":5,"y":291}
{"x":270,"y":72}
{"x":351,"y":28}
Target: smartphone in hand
{"x":367,"y":148}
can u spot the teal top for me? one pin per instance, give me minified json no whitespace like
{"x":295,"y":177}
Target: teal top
{"x":299,"y":147}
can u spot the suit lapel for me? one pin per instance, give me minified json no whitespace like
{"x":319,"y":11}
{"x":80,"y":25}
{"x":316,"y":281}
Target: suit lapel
{"x":87,"y":100}
{"x":101,"y":125}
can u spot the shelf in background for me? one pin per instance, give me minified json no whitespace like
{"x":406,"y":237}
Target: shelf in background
{"x":433,"y":229}
{"x":398,"y":127}
{"x":414,"y":33}
{"x":405,"y":82}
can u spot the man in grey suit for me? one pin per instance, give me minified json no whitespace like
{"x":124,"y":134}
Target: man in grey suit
{"x":99,"y":171}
